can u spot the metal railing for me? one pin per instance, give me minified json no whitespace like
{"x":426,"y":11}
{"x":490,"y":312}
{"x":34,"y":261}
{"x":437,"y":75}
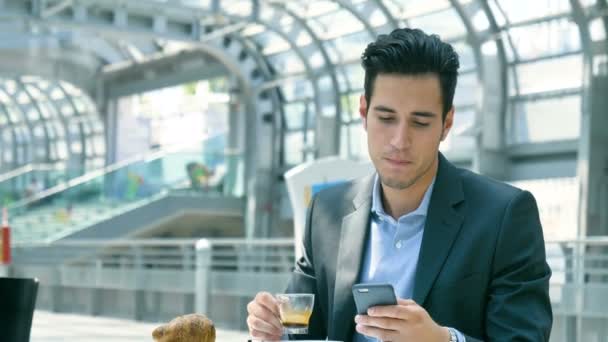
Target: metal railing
{"x":206,"y":269}
{"x":202,"y":269}
{"x":25,"y":169}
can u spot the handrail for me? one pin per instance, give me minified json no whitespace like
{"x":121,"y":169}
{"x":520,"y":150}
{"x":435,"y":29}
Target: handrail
{"x":594,"y":240}
{"x":157,"y":242}
{"x":28,"y":168}
{"x":145,"y":157}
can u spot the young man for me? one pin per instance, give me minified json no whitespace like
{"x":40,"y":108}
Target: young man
{"x":464,"y":253}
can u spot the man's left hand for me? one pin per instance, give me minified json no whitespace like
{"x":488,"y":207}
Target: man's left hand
{"x":406,"y":321}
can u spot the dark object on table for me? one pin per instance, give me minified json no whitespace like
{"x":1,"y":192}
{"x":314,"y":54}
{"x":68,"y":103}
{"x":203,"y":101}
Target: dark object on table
{"x":17,"y":303}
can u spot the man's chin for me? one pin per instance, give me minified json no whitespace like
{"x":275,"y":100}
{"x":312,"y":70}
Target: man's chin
{"x":397,"y":184}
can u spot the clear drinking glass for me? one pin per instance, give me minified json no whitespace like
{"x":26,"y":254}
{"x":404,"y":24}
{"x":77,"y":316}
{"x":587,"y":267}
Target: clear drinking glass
{"x":295,"y":310}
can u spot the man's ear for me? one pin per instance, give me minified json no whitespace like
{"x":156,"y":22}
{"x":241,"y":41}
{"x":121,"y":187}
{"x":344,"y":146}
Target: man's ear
{"x":363,"y":110}
{"x":447,"y":123}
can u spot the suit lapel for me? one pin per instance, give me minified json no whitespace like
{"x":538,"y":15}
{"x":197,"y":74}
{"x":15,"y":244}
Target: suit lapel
{"x":352,"y":245}
{"x":442,"y":226}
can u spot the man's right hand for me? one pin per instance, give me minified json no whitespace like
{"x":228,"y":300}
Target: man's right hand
{"x":263,"y":319}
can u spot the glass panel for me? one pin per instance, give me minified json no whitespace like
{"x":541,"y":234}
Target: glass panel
{"x":521,"y":10}
{"x":67,"y":109}
{"x":286,"y":63}
{"x":447,"y":24}
{"x":76,"y":146}
{"x":547,"y":38}
{"x":14,"y":114}
{"x":294,"y":115}
{"x":465,"y":55}
{"x":33,"y":114}
{"x":459,"y":137}
{"x":297,"y":89}
{"x":100,"y":146}
{"x":413,"y":8}
{"x":45,"y":110}
{"x":356,"y":76}
{"x":62,"y":149}
{"x":272,"y":43}
{"x":350,"y":47}
{"x":370,"y":10}
{"x":239,"y":7}
{"x":294,"y":143}
{"x":314,"y":56}
{"x":467,"y":90}
{"x":358,"y":141}
{"x":562,"y":73}
{"x":350,"y":77}
{"x":588,"y":2}
{"x":546,"y":120}
{"x":39,"y":131}
{"x":327,"y":28}
{"x":350,"y":107}
{"x":59,"y":128}
{"x":57,"y":94}
{"x":344,"y":148}
{"x":23,"y":98}
{"x":480,"y":20}
{"x":70,"y":89}
{"x":597,"y":30}
{"x":81,"y":108}
{"x":327,"y":96}
{"x":316,"y":8}
{"x":3,"y":118}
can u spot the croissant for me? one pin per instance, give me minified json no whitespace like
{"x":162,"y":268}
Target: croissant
{"x":187,"y":328}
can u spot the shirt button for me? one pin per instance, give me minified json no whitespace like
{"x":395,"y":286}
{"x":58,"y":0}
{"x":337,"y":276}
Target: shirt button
{"x":398,"y":244}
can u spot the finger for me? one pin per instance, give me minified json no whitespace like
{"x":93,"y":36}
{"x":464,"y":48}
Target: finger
{"x":378,"y":333}
{"x":257,"y":335}
{"x":261,"y":312}
{"x":268,"y":300}
{"x":259,"y":325}
{"x":392,"y":311}
{"x":401,"y":301}
{"x":380,"y":322}
{"x":410,"y":313}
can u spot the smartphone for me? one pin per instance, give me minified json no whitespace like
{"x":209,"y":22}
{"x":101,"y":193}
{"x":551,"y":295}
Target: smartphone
{"x":369,"y":295}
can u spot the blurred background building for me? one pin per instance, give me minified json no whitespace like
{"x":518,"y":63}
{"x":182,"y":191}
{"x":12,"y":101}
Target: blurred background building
{"x":143,"y":144}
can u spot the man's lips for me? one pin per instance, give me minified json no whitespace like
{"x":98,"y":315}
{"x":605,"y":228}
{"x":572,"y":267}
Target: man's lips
{"x":398,"y":162}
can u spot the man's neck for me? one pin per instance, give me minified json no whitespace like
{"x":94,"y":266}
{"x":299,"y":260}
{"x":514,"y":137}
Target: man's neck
{"x":398,"y":202}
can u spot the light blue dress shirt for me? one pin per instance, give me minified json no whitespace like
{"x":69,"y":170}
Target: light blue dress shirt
{"x":392,"y":249}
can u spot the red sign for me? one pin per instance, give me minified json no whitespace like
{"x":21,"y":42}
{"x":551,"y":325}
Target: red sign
{"x":5,"y":258}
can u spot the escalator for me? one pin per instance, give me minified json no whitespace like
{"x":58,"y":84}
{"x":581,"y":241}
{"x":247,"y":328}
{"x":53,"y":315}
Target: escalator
{"x":134,"y":198}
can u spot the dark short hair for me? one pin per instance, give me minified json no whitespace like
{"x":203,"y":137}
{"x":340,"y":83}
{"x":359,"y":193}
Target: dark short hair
{"x":412,"y":52}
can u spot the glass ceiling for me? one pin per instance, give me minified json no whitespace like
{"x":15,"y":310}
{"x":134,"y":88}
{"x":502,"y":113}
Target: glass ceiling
{"x":49,"y":123}
{"x":314,"y":47}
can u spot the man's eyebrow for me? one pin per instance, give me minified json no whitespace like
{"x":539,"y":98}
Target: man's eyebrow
{"x":424,"y":114}
{"x":381,"y":108}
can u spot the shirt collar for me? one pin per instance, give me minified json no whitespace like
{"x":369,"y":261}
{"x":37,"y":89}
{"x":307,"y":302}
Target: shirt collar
{"x":378,"y":208}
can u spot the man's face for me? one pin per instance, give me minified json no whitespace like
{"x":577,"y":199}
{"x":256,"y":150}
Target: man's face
{"x":404,"y":127}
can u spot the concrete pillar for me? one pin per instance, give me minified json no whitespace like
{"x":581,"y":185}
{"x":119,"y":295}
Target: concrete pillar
{"x":202,"y":280}
{"x":593,"y":158}
{"x":490,"y":157}
{"x":235,"y":145}
{"x":57,"y":290}
{"x":139,"y":300}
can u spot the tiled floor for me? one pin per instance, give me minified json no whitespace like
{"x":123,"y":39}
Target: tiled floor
{"x":55,"y":327}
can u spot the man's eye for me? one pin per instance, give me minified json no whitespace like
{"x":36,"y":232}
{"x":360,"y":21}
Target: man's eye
{"x":385,"y":118}
{"x":421,"y":124}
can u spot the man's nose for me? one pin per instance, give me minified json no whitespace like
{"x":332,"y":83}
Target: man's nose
{"x":401,"y":138}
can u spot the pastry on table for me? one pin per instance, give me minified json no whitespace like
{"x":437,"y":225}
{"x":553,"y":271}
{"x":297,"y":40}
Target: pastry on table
{"x":187,"y":328}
